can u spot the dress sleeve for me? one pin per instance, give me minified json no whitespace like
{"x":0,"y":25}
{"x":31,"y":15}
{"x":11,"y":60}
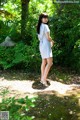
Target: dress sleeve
{"x":47,"y":29}
{"x":40,"y":36}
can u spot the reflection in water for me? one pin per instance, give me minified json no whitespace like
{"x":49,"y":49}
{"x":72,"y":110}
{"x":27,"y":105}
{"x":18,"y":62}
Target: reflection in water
{"x":51,"y":107}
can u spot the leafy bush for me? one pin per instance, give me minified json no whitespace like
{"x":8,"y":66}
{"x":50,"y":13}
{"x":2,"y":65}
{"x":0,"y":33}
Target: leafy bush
{"x":66,"y":31}
{"x":76,"y":56}
{"x":21,"y":56}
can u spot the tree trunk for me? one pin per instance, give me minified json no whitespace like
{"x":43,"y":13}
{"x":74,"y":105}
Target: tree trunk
{"x":24,"y":16}
{"x":0,"y":2}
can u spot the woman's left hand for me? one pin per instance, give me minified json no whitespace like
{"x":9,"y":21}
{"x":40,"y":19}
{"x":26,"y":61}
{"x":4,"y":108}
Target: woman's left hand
{"x":52,"y":43}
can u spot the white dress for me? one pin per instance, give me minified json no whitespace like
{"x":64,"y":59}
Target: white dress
{"x":44,"y":44}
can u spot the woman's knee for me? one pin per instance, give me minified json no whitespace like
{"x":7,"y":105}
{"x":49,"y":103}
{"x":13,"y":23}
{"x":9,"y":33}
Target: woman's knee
{"x":44,"y":62}
{"x":50,"y":64}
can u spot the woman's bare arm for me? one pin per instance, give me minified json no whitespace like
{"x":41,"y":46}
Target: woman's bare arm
{"x":49,"y":37}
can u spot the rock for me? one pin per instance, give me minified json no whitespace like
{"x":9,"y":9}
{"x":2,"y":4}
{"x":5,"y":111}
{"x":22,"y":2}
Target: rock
{"x":8,"y":42}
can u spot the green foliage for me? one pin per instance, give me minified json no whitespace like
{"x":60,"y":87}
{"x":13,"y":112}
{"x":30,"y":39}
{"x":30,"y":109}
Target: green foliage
{"x":21,"y":56}
{"x":10,"y":20}
{"x":17,"y":107}
{"x":66,"y":31}
{"x":76,"y":56}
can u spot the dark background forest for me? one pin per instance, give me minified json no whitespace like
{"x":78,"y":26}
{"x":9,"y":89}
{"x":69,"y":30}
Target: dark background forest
{"x":21,"y":93}
{"x":18,"y":20}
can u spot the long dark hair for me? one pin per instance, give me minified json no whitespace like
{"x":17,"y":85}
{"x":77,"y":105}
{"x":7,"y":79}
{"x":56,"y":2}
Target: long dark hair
{"x":42,"y":15}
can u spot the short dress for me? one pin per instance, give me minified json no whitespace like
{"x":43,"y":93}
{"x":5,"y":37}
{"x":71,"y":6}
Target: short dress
{"x":44,"y":44}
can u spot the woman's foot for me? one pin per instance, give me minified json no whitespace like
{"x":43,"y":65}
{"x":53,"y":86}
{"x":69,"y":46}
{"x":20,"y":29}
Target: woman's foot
{"x":44,"y":82}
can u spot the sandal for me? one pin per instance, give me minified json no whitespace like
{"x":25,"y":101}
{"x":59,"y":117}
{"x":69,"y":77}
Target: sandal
{"x":44,"y":83}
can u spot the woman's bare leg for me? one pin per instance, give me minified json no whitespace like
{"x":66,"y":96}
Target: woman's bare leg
{"x":43,"y":65}
{"x":47,"y":68}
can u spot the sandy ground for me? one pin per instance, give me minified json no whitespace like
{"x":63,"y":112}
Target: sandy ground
{"x":22,"y":88}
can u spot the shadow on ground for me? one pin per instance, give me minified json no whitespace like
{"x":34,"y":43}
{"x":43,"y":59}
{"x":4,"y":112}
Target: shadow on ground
{"x":39,"y":85}
{"x":52,"y":107}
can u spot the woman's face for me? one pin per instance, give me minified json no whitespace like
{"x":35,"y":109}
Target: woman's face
{"x":44,"y":20}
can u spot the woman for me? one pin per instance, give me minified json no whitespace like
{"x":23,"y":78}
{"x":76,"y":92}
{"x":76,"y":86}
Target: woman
{"x":45,"y":45}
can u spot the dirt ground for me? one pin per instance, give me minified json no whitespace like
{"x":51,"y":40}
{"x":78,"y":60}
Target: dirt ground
{"x":20,"y":84}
